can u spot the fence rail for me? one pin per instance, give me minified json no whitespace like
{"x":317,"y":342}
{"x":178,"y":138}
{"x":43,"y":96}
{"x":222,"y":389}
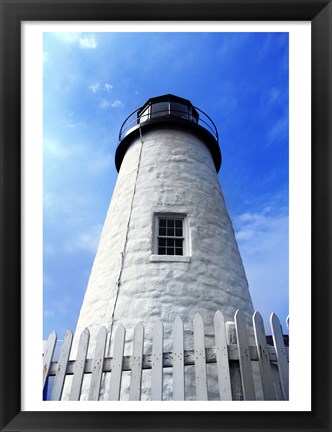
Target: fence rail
{"x":232,"y":354}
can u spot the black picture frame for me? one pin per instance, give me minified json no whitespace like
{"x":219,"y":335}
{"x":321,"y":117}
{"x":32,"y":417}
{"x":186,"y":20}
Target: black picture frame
{"x":12,"y":13}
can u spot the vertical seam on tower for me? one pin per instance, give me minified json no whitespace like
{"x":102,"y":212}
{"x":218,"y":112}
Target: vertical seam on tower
{"x":126,"y":237}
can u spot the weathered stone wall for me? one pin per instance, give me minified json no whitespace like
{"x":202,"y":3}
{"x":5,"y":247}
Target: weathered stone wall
{"x":176,"y":174}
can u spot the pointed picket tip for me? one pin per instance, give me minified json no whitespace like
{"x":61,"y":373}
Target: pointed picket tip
{"x":158,"y":325}
{"x":85,"y":332}
{"x":274,"y":319}
{"x":198,"y":318}
{"x":256,"y":313}
{"x":68,"y":333}
{"x":139,"y":329}
{"x":51,"y":340}
{"x":52,"y":335}
{"x":257,"y":318}
{"x":238,"y":314}
{"x":139,"y":325}
{"x":177,"y":326}
{"x":178,"y":321}
{"x":219,"y":315}
{"x":239,"y":317}
{"x":102,"y":332}
{"x":68,"y":337}
{"x":85,"y":336}
{"x":219,"y":320}
{"x":120,"y":328}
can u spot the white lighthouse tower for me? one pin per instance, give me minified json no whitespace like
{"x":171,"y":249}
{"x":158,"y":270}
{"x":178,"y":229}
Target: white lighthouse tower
{"x":167,"y":247}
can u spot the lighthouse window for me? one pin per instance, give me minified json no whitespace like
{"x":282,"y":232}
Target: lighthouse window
{"x":170,"y":236}
{"x":160,"y":109}
{"x":179,"y":110}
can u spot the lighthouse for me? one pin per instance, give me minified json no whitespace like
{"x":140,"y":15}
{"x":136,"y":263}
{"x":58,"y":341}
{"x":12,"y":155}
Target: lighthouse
{"x":167,"y":247}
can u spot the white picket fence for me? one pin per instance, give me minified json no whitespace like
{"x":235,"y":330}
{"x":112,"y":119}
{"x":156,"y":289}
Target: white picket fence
{"x":232,"y":355}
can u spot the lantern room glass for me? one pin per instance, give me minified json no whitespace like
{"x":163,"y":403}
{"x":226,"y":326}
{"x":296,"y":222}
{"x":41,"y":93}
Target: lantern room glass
{"x":166,"y":109}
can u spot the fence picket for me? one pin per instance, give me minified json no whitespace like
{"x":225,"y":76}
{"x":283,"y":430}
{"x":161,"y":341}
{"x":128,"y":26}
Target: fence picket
{"x":115,"y":381}
{"x":282,"y":361}
{"x":48,"y":354}
{"x":79,"y":366}
{"x":244,"y":357}
{"x":200,"y":364}
{"x":263,"y":357}
{"x":224,"y":382}
{"x":232,"y":355}
{"x":62,"y":366}
{"x":157,"y":362}
{"x":136,"y":363}
{"x":178,"y":360}
{"x":97,"y":365}
{"x":234,"y":366}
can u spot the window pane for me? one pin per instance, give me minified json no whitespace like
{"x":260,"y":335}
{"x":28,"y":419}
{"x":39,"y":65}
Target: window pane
{"x":179,"y":109}
{"x":178,"y":232}
{"x":170,"y":231}
{"x":160,"y":109}
{"x":170,"y":235}
{"x":170,"y":223}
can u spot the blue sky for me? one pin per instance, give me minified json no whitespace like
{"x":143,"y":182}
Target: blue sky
{"x":93,"y":81}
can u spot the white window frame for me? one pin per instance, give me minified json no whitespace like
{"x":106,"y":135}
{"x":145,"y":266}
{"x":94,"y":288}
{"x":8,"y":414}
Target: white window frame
{"x":185,"y":235}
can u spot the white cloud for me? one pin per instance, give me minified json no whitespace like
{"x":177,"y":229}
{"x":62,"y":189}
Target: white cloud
{"x":48,"y":200}
{"x":63,"y":304}
{"x":231,"y":44}
{"x":273,"y":95}
{"x":279,"y":130}
{"x":48,"y":313}
{"x":117,"y":103}
{"x":260,"y":232}
{"x":263,"y":239}
{"x":67,"y":37}
{"x":86,"y":241}
{"x":101,"y":164}
{"x":45,"y":57}
{"x":94,"y":87}
{"x":83,"y":40}
{"x":56,"y":149}
{"x":98,"y":86}
{"x":104,"y":104}
{"x":88,"y":42}
{"x":47,"y":281}
{"x":48,"y":249}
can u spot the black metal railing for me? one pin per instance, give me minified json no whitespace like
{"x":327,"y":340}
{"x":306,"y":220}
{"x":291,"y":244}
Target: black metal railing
{"x":135,"y":119}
